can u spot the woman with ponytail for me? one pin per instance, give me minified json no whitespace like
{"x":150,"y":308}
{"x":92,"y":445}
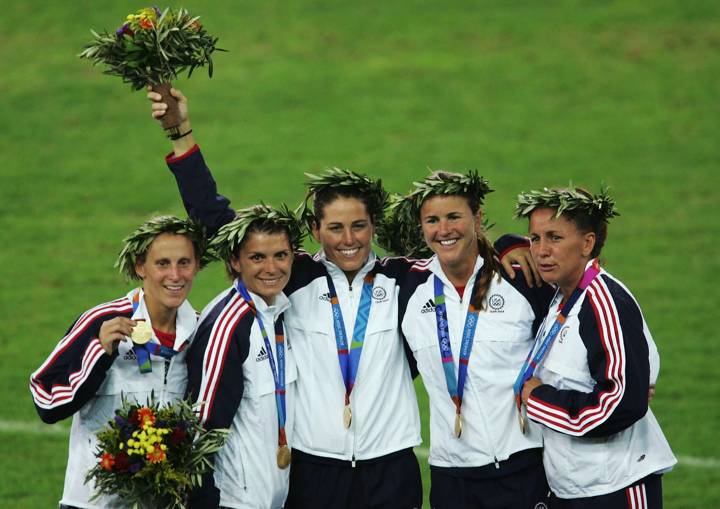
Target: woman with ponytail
{"x":469,"y":326}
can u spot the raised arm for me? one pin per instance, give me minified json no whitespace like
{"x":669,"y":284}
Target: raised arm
{"x":197,"y":187}
{"x":183,"y":140}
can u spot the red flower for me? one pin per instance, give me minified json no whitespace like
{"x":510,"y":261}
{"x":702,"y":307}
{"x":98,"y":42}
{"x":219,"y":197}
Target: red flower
{"x":107,"y":461}
{"x":177,"y":436}
{"x":122,"y":461}
{"x":157,"y":455}
{"x":145,"y":417}
{"x":134,"y":418}
{"x":146,"y":23}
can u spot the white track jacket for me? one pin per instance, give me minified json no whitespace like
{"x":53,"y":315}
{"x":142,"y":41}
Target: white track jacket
{"x":503,"y":337}
{"x":80,"y":379}
{"x":600,"y":436}
{"x":229,"y":373}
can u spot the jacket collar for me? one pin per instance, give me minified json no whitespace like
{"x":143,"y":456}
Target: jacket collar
{"x":336,"y":272}
{"x":437,"y":270}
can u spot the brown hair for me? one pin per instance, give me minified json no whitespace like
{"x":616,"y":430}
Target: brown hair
{"x":324,"y":197}
{"x":586,"y":223}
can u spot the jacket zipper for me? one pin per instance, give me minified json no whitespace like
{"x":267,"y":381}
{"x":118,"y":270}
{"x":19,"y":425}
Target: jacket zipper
{"x":352,"y":423}
{"x":242,"y":469}
{"x":166,"y":369}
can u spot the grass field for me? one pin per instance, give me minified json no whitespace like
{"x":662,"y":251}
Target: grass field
{"x":529,"y":93}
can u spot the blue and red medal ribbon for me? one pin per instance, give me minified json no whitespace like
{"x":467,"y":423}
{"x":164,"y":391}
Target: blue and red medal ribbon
{"x":349,"y":358}
{"x":532,"y":361}
{"x":278,"y":371}
{"x":456,"y":387}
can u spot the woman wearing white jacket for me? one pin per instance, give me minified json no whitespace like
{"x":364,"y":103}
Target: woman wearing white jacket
{"x":586,"y":381}
{"x":469,"y":326}
{"x":241,"y":368}
{"x":96,"y":363}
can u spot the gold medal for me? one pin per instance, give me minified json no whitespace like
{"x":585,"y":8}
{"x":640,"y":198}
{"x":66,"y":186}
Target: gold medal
{"x":347,"y":416}
{"x":283,"y":456}
{"x":521,"y":420}
{"x":141,"y":333}
{"x":458,"y":425}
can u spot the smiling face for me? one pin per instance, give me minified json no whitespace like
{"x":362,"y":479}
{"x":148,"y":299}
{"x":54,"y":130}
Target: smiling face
{"x":167,"y":272}
{"x":264,"y":263}
{"x":559,"y":248}
{"x":345,"y":234}
{"x":451,"y":230}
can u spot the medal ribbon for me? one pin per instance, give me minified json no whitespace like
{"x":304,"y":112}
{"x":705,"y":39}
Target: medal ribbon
{"x":349,"y":358}
{"x":456,"y":388}
{"x":143,"y":352}
{"x":278,"y":371}
{"x":532,"y":362}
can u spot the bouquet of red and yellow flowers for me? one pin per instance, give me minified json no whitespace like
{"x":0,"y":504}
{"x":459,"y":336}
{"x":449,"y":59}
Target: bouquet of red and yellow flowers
{"x":152,"y":456}
{"x":152,"y":48}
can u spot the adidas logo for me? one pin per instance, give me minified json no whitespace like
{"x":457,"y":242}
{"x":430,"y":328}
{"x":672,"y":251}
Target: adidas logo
{"x":262,"y":355}
{"x":428,"y":307}
{"x":325,"y":296}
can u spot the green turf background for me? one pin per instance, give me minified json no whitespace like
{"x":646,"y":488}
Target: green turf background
{"x":529,"y":93}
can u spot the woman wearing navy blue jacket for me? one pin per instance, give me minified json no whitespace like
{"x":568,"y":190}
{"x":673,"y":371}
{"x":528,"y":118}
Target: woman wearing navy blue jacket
{"x":241,"y":369}
{"x":593,"y":363}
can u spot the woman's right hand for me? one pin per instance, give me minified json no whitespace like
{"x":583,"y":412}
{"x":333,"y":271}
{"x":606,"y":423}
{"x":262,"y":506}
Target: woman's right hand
{"x":159,"y":108}
{"x":185,"y":142}
{"x":113,"y":331}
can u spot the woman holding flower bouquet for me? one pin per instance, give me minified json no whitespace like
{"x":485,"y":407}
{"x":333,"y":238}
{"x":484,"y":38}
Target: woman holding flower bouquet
{"x":133,"y":346}
{"x":241,"y":370}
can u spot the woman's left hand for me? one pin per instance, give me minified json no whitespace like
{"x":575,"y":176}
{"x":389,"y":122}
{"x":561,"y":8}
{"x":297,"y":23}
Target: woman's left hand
{"x":528,"y":388}
{"x":521,"y":256}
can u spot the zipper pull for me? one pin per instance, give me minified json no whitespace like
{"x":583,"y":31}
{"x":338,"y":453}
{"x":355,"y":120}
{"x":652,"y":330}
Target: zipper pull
{"x":352,"y":463}
{"x":497,"y":463}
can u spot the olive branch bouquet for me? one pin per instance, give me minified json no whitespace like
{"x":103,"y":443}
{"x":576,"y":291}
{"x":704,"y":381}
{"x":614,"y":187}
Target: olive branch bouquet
{"x":152,"y":48}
